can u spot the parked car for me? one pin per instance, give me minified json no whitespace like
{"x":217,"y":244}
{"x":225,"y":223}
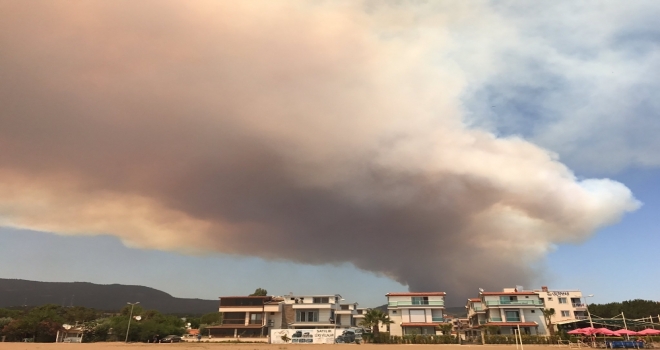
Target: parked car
{"x":347,"y":336}
{"x":171,"y":339}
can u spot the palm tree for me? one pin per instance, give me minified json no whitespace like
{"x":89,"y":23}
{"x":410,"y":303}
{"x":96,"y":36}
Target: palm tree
{"x":373,"y":319}
{"x":547,"y":315}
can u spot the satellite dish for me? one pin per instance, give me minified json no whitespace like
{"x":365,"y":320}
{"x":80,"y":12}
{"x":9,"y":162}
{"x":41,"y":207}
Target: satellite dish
{"x":188,"y":324}
{"x":138,"y":317}
{"x":481,"y":290}
{"x":66,"y":326}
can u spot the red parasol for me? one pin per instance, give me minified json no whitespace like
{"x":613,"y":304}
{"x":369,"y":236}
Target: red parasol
{"x":623,"y":332}
{"x":649,"y":331}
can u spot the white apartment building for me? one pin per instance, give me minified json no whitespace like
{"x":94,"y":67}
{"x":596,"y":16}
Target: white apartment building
{"x":346,"y":315}
{"x":415,"y":313}
{"x":568,"y":304}
{"x":507,"y":310}
{"x":315,"y":311}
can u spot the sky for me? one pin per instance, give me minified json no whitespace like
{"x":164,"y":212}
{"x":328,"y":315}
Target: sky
{"x":316,"y":147}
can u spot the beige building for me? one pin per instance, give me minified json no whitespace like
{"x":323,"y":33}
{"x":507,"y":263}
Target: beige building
{"x":568,"y":304}
{"x":415,"y":313}
{"x":507,"y":310}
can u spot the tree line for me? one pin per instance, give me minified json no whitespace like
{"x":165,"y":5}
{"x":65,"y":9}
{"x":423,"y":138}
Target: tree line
{"x":41,"y":323}
{"x":634,"y":309}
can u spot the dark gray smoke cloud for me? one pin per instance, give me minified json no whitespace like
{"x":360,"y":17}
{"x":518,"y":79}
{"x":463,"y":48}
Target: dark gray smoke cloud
{"x":310,"y":132}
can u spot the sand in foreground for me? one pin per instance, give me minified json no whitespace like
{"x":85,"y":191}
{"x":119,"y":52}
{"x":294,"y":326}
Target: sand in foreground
{"x":225,"y":346}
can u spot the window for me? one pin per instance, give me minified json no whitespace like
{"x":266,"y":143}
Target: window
{"x":321,"y":300}
{"x":532,"y":311}
{"x":307,"y":316}
{"x":255,"y":318}
{"x":542,"y":300}
{"x":562,"y":300}
{"x":565,"y":313}
{"x":420,"y":300}
{"x":512,"y":316}
{"x":549,"y":298}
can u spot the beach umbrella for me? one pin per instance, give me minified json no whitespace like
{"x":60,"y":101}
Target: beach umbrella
{"x":605,"y":331}
{"x":625,"y":332}
{"x":584,"y":331}
{"x":649,"y":331}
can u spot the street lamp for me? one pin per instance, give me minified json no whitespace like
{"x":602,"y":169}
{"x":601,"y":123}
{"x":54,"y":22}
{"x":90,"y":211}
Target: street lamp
{"x":129,"y":319}
{"x":334,"y":322}
{"x":591,"y":323}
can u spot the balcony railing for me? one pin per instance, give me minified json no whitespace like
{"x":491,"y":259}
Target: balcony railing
{"x":514,"y":302}
{"x":579,"y":305}
{"x":496,"y":319}
{"x":513,"y":319}
{"x":581,"y":317}
{"x":482,"y":321}
{"x":438,"y":319}
{"x":417,"y":303}
{"x":230,"y":321}
{"x":477,"y":308}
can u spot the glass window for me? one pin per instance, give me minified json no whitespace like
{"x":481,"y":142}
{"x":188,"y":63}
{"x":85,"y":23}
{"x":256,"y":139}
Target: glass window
{"x":512,"y":316}
{"x":255,"y":318}
{"x":562,"y":300}
{"x":321,"y":300}
{"x":565,"y":313}
{"x":307,"y":316}
{"x":420,"y":300}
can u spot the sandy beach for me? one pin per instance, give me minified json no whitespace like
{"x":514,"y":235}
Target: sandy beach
{"x":220,"y":346}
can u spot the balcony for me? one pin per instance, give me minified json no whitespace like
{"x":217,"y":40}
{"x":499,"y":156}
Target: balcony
{"x":477,"y":308}
{"x":513,"y":319}
{"x":495,"y":319}
{"x":438,"y":319}
{"x":515,"y":302}
{"x":230,"y":321}
{"x":431,"y":303}
{"x":581,"y":317}
{"x":579,"y":306}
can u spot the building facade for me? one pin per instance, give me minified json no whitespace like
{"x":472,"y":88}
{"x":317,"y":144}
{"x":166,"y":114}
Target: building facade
{"x":415,"y":313}
{"x":314,"y":311}
{"x":247,"y":317}
{"x":568,"y":304}
{"x":507,"y":310}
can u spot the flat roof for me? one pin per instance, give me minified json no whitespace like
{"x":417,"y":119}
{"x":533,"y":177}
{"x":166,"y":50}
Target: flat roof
{"x":508,"y":293}
{"x":415,"y":294}
{"x":246,"y":297}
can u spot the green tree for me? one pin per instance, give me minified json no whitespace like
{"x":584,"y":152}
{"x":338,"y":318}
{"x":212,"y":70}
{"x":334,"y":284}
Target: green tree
{"x":373,"y":318}
{"x":547,"y":316}
{"x":40,"y":323}
{"x":491,"y":330}
{"x":446,"y":328}
{"x":211,"y":319}
{"x":259,"y":292}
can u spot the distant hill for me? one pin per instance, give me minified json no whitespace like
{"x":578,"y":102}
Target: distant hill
{"x":111,"y":297}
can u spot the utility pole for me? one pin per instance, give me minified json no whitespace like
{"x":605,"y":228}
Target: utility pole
{"x":129,"y":319}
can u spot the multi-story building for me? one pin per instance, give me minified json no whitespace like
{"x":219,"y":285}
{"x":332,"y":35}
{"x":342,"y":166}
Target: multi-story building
{"x":247,"y":316}
{"x":359,"y":315}
{"x":314,"y":311}
{"x":346,"y":315}
{"x":507,"y":310}
{"x":415,"y":313}
{"x":568,"y":304}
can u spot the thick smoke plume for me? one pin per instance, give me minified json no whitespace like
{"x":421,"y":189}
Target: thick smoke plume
{"x":305,"y":131}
